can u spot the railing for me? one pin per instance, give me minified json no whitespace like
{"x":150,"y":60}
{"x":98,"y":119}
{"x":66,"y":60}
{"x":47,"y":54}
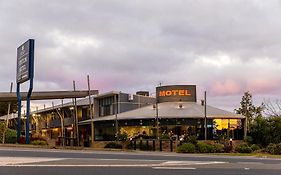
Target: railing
{"x":154,"y":144}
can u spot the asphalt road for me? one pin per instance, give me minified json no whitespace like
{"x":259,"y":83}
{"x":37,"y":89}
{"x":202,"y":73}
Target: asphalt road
{"x":23,"y":161}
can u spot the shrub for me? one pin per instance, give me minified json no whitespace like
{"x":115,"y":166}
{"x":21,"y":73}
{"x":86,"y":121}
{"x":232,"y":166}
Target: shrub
{"x":248,"y":139}
{"x":278,"y":149}
{"x":219,"y":148}
{"x":190,"y":139}
{"x":274,"y":148}
{"x":113,"y":145}
{"x":39,"y":142}
{"x":227,"y":147}
{"x":123,"y":137}
{"x":11,"y":136}
{"x":186,"y":148}
{"x":145,"y":147}
{"x":271,"y":148}
{"x":243,"y":148}
{"x":205,"y":148}
{"x":255,"y":147}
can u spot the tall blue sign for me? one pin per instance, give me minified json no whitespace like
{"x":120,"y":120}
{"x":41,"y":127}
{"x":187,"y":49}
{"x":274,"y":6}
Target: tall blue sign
{"x":25,"y":72}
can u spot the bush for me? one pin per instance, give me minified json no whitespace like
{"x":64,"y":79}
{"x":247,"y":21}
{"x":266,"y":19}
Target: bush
{"x":255,"y":147}
{"x":274,"y":148}
{"x":219,"y":148}
{"x":144,"y":147}
{"x":123,"y":137}
{"x":248,"y":139}
{"x":227,"y":147}
{"x":190,"y":139}
{"x":113,"y":145}
{"x":243,"y":148}
{"x":205,"y":148}
{"x":11,"y":136}
{"x":39,"y":142}
{"x":186,"y":148}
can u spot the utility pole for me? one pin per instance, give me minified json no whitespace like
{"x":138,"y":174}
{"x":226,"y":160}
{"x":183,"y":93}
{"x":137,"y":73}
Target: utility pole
{"x":76,"y":116}
{"x":205,"y":114}
{"x":116,"y":112}
{"x":91,"y":111}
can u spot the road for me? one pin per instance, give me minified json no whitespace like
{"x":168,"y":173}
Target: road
{"x":27,"y":161}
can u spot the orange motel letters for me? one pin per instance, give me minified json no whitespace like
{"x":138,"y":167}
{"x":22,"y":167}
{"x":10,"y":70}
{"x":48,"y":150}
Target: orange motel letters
{"x":169,"y":93}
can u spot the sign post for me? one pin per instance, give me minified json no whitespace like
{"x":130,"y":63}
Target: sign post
{"x":25,"y":72}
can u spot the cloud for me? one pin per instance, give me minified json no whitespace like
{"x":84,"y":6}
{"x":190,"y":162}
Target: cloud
{"x":224,"y":47}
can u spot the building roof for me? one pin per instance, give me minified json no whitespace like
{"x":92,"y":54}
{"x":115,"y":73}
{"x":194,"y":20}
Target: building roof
{"x":171,"y":110}
{"x":10,"y":116}
{"x":79,"y":102}
{"x":46,"y":95}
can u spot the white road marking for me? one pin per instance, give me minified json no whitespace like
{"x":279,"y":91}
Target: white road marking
{"x":37,"y":162}
{"x":252,"y":163}
{"x":22,"y":160}
{"x":174,"y":168}
{"x":191,"y":162}
{"x":37,"y":165}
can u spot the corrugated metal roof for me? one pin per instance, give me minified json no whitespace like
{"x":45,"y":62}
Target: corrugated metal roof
{"x":171,"y":110}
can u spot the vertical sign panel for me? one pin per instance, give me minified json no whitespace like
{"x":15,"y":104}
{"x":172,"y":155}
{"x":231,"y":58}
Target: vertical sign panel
{"x":24,"y":60}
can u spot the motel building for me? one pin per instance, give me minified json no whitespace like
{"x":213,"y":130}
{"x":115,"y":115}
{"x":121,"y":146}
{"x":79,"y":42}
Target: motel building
{"x":174,"y":112}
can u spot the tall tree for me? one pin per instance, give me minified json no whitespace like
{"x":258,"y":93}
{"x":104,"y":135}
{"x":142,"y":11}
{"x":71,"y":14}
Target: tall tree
{"x":248,"y":110}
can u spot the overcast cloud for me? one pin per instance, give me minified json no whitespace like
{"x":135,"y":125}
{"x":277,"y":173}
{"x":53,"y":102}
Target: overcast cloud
{"x":224,"y":47}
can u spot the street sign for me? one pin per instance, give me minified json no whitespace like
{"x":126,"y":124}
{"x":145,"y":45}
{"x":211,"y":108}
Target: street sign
{"x":25,"y":72}
{"x":25,"y":60}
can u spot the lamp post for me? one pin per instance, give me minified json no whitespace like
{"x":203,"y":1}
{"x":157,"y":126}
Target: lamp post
{"x":205,"y":114}
{"x":157,"y":121}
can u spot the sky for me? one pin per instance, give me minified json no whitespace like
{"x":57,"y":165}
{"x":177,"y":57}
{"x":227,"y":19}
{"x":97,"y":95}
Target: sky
{"x":224,"y":47}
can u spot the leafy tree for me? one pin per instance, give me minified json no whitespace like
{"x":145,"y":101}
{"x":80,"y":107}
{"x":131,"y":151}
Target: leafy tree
{"x":266,"y":130}
{"x":259,"y":131}
{"x":249,"y":110}
{"x":4,"y":107}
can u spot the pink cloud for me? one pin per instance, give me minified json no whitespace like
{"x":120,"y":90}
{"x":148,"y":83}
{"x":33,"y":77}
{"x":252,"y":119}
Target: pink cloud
{"x":263,"y":86}
{"x":227,"y":87}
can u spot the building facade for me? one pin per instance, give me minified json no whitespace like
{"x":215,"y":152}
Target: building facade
{"x":115,"y":115}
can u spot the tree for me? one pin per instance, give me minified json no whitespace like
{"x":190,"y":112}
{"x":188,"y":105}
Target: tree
{"x":266,"y":130}
{"x":249,"y":110}
{"x":4,"y":107}
{"x":272,"y":108}
{"x":260,"y":131}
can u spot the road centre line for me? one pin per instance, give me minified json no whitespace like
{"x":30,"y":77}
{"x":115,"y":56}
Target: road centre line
{"x":49,"y":165}
{"x":174,"y":168}
{"x":252,"y":163}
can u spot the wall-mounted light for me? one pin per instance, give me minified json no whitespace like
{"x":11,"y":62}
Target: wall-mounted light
{"x":180,"y":105}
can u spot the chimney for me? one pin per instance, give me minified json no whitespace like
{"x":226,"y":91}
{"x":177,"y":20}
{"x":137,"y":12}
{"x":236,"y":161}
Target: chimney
{"x":202,"y":102}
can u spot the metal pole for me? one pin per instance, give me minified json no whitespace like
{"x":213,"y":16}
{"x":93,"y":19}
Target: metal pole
{"x":91,"y":111}
{"x":62,"y":124}
{"x":116,"y":121}
{"x":205,"y":114}
{"x":76,"y":116}
{"x":31,"y":75}
{"x":19,"y":113}
{"x":27,"y":141}
{"x":157,"y":121}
